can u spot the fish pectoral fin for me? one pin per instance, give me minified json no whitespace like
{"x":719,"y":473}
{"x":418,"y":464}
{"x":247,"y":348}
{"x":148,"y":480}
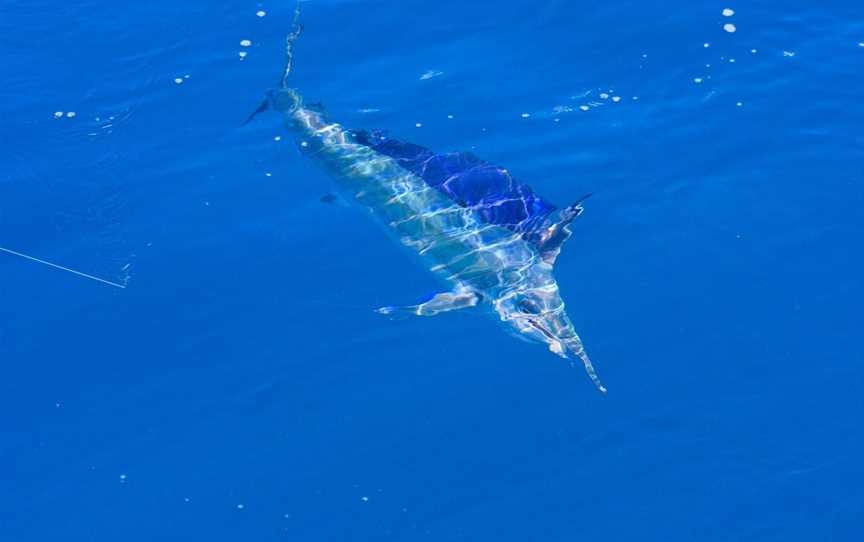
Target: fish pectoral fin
{"x":265,"y":105}
{"x":443,"y":302}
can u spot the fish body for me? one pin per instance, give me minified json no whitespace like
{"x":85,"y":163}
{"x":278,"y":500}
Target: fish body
{"x":490,"y":237}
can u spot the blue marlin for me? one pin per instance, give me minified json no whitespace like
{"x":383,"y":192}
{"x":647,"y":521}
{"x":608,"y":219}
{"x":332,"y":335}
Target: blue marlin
{"x":490,"y":237}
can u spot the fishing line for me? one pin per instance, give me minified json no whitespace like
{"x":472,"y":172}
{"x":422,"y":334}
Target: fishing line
{"x":60,"y":267}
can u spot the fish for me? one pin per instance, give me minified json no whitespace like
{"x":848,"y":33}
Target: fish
{"x":489,"y":237}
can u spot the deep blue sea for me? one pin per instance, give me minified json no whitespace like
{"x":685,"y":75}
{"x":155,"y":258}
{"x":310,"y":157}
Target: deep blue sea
{"x":241,"y":387}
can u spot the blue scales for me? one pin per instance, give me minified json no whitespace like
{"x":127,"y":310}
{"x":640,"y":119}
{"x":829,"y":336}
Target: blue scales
{"x":470,"y":182}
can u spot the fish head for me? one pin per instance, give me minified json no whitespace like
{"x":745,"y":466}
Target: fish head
{"x":534,"y":310}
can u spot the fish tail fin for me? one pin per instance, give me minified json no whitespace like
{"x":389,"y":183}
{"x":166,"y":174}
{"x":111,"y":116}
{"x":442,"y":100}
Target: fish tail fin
{"x":296,"y":30}
{"x":283,"y":98}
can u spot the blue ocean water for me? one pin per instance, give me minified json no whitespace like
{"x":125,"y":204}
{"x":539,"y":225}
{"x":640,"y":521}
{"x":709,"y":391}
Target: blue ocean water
{"x":241,"y":387}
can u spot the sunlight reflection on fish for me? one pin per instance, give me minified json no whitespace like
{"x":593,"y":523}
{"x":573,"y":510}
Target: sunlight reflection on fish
{"x":492,"y":238}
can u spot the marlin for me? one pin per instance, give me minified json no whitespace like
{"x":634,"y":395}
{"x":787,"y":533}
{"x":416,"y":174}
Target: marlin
{"x":490,"y":237}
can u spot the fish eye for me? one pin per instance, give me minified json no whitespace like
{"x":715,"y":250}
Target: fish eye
{"x":528,"y":306}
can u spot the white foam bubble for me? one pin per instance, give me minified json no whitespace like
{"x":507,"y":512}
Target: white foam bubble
{"x":697,"y":80}
{"x":732,"y":60}
{"x":240,"y":507}
{"x":706,"y":45}
{"x":728,"y":12}
{"x":450,"y":116}
{"x":178,"y":80}
{"x":122,"y":477}
{"x":245,"y":43}
{"x":754,"y":51}
{"x":58,"y":114}
{"x":242,"y":54}
{"x":861,"y":44}
{"x":261,"y":13}
{"x":418,"y":125}
{"x":616,"y":99}
{"x":604,"y":96}
{"x":70,"y":114}
{"x":789,"y":53}
{"x":526,"y":115}
{"x":584,"y":107}
{"x":739,"y":104}
{"x":277,"y":138}
{"x":268,"y":174}
{"x":729,"y":27}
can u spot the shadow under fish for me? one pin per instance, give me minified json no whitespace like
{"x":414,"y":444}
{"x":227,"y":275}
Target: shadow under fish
{"x":489,"y":236}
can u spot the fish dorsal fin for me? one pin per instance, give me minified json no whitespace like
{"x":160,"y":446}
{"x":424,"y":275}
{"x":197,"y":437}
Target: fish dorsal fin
{"x":557,"y":230}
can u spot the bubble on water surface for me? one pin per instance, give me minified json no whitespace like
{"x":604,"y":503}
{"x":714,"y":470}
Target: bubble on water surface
{"x":584,"y":107}
{"x":526,"y":115}
{"x":616,"y":99}
{"x":727,"y":12}
{"x":178,"y":80}
{"x":729,"y":27}
{"x":242,"y":54}
{"x":245,"y":43}
{"x":261,"y":13}
{"x":706,"y":45}
{"x":418,"y":125}
{"x":789,"y":53}
{"x":58,"y":114}
{"x":697,"y":80}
